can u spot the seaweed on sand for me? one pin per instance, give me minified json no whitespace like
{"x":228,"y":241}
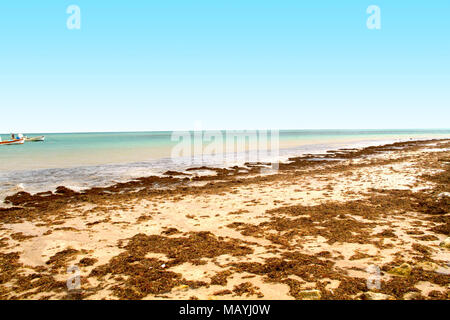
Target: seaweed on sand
{"x":143,"y":276}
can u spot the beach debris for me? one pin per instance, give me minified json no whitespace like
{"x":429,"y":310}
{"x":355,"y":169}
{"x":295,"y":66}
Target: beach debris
{"x":310,"y":295}
{"x":370,"y":295}
{"x":445,"y":243}
{"x":402,"y":270}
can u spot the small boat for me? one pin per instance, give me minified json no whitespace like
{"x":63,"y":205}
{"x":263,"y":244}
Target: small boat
{"x":15,"y":139}
{"x":35,"y":139}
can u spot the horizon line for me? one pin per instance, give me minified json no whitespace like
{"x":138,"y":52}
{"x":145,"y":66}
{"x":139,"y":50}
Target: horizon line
{"x":194,"y":130}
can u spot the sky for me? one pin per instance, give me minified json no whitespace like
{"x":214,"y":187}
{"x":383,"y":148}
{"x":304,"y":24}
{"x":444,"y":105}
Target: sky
{"x":234,"y":64}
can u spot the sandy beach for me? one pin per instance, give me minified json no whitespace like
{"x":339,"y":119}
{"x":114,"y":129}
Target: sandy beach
{"x":368,"y":223}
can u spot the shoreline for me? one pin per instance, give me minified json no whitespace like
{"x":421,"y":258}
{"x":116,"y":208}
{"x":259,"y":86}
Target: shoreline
{"x":163,"y":153}
{"x":308,"y":230}
{"x":156,"y":167}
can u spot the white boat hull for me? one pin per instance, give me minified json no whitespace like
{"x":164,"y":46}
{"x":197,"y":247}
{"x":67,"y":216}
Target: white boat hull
{"x":35,"y":139}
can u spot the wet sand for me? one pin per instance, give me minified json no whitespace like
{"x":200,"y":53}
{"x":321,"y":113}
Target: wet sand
{"x":350,"y":224}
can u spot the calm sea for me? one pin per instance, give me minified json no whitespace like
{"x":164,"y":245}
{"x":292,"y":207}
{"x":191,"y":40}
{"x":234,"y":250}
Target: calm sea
{"x":81,"y":160}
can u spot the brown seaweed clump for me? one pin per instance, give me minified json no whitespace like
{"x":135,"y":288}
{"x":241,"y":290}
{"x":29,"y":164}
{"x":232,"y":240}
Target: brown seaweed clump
{"x":140,"y":276}
{"x":195,"y":246}
{"x":220,"y":278}
{"x":247,"y":289}
{"x":59,"y":260}
{"x":327,"y":220}
{"x":307,"y":267}
{"x":10,"y":272}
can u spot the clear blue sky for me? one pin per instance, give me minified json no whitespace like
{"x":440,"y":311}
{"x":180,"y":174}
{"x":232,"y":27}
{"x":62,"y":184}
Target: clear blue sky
{"x":234,"y":64}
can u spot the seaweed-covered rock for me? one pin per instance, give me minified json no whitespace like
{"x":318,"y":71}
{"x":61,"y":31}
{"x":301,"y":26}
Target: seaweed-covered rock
{"x":309,"y":295}
{"x":369,"y":295}
{"x":445,"y":243}
{"x":427,"y":266}
{"x":402,"y":270}
{"x":412,"y":296}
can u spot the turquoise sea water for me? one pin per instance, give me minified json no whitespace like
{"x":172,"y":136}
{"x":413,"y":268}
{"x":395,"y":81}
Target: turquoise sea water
{"x":81,"y":160}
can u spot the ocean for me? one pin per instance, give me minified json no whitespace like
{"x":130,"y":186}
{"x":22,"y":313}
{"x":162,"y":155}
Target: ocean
{"x":83,"y":160}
